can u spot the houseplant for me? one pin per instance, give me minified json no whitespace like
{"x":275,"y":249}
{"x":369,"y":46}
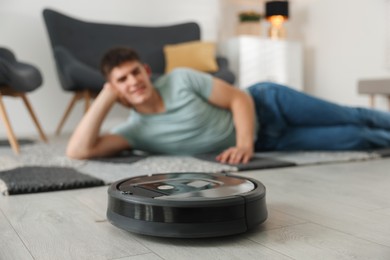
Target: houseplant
{"x":249,"y":23}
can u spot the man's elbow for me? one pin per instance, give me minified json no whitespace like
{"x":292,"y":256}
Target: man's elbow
{"x":79,"y":154}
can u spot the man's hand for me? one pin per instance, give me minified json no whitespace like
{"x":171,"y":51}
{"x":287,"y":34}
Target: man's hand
{"x":120,"y":99}
{"x":235,"y":155}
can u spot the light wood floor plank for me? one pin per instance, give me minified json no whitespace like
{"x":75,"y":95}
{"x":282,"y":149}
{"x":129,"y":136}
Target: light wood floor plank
{"x":277,"y":219}
{"x":299,"y":192}
{"x":234,"y":247}
{"x":95,"y":199}
{"x":383,"y":211}
{"x":149,"y":256}
{"x":56,"y":226}
{"x":363,"y":185}
{"x":363,"y":224}
{"x":311,"y":241}
{"x":11,"y":247}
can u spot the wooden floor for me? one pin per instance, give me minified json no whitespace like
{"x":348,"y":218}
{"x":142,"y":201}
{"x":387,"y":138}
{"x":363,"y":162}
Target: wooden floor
{"x":338,"y":211}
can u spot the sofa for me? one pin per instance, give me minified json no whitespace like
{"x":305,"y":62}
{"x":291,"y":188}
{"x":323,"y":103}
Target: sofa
{"x":79,"y":45}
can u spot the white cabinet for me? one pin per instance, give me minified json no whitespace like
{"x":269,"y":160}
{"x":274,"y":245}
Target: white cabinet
{"x":255,"y":59}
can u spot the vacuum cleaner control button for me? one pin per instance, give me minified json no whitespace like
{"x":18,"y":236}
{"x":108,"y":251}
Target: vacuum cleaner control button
{"x":165,"y":187}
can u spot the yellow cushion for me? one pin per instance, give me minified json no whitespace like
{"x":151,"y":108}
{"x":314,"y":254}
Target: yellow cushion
{"x":196,"y":55}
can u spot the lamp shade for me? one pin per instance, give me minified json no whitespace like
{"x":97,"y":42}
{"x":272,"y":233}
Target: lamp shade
{"x":276,"y":8}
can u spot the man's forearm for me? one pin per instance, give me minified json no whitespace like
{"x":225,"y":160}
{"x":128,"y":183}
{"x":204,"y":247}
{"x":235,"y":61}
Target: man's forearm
{"x":87,"y":132}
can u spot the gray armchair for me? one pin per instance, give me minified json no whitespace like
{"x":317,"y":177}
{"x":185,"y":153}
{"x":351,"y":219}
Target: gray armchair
{"x":16,"y":79}
{"x":78,"y":47}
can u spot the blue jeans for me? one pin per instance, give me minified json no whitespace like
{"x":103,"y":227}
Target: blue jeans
{"x":292,"y":120}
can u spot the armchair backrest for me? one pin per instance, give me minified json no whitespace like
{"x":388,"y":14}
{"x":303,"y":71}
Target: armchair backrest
{"x":88,"y":41}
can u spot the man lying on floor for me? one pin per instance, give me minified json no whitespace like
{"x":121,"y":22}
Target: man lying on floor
{"x":187,"y":112}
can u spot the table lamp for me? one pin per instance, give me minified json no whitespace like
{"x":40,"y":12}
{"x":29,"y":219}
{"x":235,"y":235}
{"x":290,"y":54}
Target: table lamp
{"x":276,"y":12}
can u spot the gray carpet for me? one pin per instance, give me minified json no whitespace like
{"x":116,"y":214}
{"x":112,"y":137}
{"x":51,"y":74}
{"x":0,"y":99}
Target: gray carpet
{"x":52,"y":155}
{"x":113,"y":169}
{"x":32,"y":179}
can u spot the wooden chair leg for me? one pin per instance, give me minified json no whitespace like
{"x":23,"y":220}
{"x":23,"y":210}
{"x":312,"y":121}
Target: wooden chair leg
{"x":68,"y":109}
{"x":10,"y":132}
{"x":372,"y":101}
{"x":32,"y":114}
{"x":388,"y":101}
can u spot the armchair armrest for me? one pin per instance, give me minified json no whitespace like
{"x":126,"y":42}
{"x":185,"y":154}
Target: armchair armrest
{"x":21,"y":76}
{"x":223,"y":72}
{"x":74,"y":74}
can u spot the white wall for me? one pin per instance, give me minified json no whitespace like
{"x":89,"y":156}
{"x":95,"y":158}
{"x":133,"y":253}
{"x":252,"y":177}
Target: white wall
{"x":344,"y":41}
{"x":22,"y":29}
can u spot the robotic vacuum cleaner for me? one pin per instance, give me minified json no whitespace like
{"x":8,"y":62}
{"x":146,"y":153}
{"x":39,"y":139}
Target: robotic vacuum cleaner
{"x":187,"y":205}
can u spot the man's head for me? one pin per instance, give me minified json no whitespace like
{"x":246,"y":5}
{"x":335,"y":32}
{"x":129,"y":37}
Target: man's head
{"x":115,"y":57}
{"x":129,"y":77}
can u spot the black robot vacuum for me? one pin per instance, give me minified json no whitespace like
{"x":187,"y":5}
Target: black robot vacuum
{"x":187,"y":205}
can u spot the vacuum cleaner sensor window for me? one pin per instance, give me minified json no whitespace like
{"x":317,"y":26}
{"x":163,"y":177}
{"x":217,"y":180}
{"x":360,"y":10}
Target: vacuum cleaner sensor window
{"x":187,"y":205}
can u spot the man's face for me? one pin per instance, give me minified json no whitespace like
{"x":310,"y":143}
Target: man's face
{"x":131,"y":80}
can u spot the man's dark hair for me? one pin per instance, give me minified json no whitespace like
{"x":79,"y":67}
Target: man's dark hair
{"x":115,"y":57}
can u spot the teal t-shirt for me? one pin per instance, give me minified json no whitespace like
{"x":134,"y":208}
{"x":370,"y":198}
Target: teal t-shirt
{"x":189,"y":125}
